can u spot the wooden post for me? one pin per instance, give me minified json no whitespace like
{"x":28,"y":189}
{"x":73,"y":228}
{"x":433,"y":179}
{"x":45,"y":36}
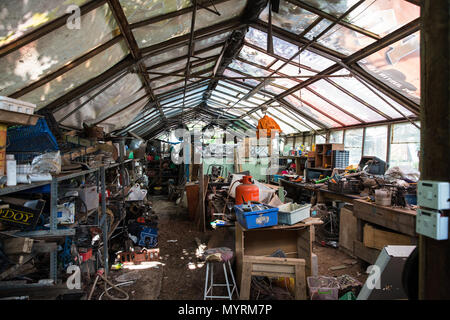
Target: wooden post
{"x":434,"y":256}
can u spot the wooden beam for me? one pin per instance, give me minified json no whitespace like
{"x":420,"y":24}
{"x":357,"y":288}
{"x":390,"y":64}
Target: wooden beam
{"x":121,"y":19}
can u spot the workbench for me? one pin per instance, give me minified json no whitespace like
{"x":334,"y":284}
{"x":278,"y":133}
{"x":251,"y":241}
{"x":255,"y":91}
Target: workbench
{"x":400,"y":220}
{"x":295,"y":241}
{"x":324,"y":194}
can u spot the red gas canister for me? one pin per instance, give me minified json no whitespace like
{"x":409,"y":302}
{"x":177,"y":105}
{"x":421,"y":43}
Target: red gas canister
{"x":246,"y":191}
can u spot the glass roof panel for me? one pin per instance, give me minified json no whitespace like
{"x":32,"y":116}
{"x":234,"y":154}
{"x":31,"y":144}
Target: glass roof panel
{"x":344,"y":40}
{"x":163,"y":30}
{"x":230,"y":73}
{"x":210,"y":41}
{"x":248,"y":68}
{"x":115,"y":92}
{"x":202,"y":67}
{"x":398,"y":66}
{"x":166,"y":56}
{"x":207,"y":54}
{"x":257,"y":38}
{"x":169,"y":87}
{"x":335,"y":7}
{"x":346,"y":102}
{"x":233,"y":86}
{"x":354,"y":85}
{"x":50,"y":52}
{"x":18,"y":18}
{"x":138,"y":10}
{"x":255,"y":56}
{"x":77,"y":76}
{"x":317,"y":29}
{"x":292,"y":70}
{"x":290,"y":17}
{"x":171,"y":67}
{"x":228,"y":10}
{"x":311,"y":112}
{"x":383,"y":16}
{"x":295,"y":123}
{"x":321,"y":104}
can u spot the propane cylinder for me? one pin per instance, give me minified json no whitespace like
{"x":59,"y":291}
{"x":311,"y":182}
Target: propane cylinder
{"x":246,"y":191}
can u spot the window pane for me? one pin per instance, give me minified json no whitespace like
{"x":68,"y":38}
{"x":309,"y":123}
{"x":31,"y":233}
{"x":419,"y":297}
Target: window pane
{"x":405,"y":145}
{"x":405,"y":133}
{"x":375,"y":142}
{"x":353,"y":143}
{"x":405,"y":154}
{"x":320,"y":139}
{"x":336,"y":136}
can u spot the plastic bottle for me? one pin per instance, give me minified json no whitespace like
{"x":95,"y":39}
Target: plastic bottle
{"x":11,"y":170}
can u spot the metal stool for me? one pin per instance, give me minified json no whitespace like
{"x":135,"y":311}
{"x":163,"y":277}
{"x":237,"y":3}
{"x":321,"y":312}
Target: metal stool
{"x":219,"y":255}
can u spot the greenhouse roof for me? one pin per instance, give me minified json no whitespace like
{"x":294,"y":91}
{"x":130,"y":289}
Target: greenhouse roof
{"x":145,"y":66}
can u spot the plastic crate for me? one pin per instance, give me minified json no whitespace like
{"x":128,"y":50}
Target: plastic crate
{"x":15,"y":105}
{"x":292,"y":213}
{"x":26,"y":140}
{"x":348,"y":186}
{"x":258,"y":218}
{"x":323,"y":288}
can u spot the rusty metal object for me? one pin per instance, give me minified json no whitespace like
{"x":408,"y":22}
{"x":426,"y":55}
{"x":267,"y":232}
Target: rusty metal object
{"x":138,"y":257}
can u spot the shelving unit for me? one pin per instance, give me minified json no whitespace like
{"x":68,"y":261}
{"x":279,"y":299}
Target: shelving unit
{"x":53,"y":225}
{"x":324,"y":154}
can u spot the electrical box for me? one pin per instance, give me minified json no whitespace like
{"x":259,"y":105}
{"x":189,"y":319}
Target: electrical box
{"x":433,"y":195}
{"x":432,"y":224}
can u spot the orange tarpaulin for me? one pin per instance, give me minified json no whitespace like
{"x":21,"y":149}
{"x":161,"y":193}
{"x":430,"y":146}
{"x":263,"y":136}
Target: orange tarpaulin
{"x":268,"y":124}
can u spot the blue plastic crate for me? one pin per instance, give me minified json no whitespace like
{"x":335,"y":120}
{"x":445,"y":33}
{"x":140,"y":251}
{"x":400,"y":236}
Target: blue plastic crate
{"x":148,"y":237}
{"x":26,"y":140}
{"x":258,"y":218}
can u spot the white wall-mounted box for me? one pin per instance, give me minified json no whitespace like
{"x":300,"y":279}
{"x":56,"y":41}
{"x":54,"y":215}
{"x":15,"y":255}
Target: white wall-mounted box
{"x":433,"y":194}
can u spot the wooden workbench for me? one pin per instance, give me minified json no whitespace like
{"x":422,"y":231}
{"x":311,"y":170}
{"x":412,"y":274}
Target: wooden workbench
{"x":325,"y":194}
{"x":295,"y":241}
{"x":401,"y":220}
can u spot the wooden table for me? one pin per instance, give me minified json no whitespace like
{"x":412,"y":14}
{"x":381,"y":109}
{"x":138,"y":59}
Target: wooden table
{"x":401,"y":220}
{"x":295,"y":241}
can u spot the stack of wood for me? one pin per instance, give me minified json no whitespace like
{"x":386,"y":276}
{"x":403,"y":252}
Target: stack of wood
{"x":21,"y":253}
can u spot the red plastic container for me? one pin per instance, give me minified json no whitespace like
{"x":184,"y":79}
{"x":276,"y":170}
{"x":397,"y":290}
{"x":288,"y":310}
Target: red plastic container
{"x":246,"y":191}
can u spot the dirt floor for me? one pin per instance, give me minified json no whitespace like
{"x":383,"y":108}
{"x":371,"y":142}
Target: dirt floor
{"x":181,"y":274}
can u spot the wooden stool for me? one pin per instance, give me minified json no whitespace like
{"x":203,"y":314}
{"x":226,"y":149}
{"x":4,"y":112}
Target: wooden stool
{"x":273,"y":268}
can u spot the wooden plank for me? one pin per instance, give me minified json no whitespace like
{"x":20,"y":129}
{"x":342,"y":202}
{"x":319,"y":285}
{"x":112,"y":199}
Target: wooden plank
{"x":347,"y":229}
{"x":44,"y":247}
{"x":300,"y":282}
{"x":378,"y":239}
{"x":246,"y":280}
{"x":17,"y":245}
{"x":401,"y":220}
{"x":369,"y":255}
{"x":17,"y":118}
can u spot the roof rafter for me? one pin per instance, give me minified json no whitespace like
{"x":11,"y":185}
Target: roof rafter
{"x":122,"y":21}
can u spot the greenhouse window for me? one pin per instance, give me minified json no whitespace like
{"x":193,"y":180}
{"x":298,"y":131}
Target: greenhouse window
{"x":353,"y":143}
{"x":405,"y":144}
{"x":375,"y":142}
